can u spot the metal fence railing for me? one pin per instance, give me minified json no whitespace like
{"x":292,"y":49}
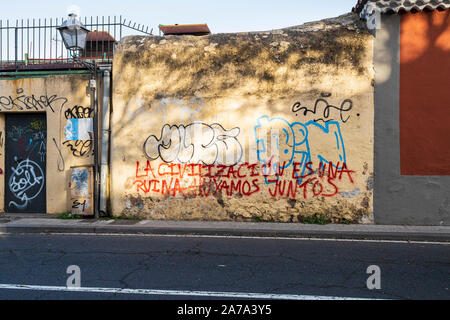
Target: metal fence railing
{"x":37,"y":41}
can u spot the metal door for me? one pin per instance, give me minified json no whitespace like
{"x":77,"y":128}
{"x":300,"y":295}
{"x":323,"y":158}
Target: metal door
{"x":25,"y":163}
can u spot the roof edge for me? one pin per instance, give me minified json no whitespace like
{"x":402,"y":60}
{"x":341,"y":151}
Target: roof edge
{"x":366,"y":8}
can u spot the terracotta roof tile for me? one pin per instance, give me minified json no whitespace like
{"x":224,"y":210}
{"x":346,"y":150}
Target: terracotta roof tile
{"x":397,"y":6}
{"x":189,"y":29}
{"x":99,"y":36}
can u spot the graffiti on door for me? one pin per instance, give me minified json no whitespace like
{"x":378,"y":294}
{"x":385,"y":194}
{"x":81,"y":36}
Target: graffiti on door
{"x":25,"y":163}
{"x":26,"y":183}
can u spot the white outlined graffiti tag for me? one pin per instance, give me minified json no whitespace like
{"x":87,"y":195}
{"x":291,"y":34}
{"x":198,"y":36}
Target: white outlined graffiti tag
{"x":195,"y":143}
{"x":26,"y":183}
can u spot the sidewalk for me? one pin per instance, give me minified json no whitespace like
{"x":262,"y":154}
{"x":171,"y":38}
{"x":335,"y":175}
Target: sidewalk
{"x":47,"y":224}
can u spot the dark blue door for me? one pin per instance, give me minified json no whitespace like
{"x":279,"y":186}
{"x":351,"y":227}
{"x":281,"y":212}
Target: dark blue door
{"x":25,"y":163}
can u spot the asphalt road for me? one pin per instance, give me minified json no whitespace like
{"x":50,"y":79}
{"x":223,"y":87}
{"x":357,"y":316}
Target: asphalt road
{"x":210,"y":264}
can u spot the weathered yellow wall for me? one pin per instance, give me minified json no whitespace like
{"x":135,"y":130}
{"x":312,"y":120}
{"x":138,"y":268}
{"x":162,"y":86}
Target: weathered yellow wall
{"x":233,"y":86}
{"x":64,"y":93}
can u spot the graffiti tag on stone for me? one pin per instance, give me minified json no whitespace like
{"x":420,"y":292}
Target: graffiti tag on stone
{"x":195,"y":143}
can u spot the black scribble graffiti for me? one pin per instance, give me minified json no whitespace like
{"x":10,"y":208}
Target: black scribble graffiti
{"x":195,"y":143}
{"x":30,"y":102}
{"x":80,"y":205}
{"x":78,"y":112}
{"x":322,"y":104}
{"x":61,"y":163}
{"x":80,"y":148}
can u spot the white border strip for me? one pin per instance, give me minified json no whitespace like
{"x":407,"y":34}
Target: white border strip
{"x":239,"y":295}
{"x":224,"y":237}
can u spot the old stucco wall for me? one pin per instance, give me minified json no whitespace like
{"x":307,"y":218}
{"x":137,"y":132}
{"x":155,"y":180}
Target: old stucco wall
{"x":59,"y":98}
{"x":265,"y":126}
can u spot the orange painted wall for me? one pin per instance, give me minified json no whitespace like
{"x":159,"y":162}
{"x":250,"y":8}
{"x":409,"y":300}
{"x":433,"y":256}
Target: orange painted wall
{"x":425,"y":93}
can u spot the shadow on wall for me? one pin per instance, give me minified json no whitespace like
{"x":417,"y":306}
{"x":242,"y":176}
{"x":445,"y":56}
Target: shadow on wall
{"x":240,"y":93}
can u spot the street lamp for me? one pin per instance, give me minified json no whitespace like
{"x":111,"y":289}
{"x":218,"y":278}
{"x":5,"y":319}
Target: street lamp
{"x":73,"y":33}
{"x":74,"y":36}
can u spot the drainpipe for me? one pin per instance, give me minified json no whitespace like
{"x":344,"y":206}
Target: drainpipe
{"x":94,"y":103}
{"x":104,"y":160}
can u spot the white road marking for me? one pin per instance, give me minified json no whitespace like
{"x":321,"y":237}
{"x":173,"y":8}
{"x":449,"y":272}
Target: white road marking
{"x":238,"y":295}
{"x":230,"y":237}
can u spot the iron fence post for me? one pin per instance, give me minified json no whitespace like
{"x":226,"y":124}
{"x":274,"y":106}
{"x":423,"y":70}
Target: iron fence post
{"x":16,"y":33}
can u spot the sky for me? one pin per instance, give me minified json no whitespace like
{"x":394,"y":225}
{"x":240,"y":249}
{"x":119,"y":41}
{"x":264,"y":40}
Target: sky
{"x":222,"y":16}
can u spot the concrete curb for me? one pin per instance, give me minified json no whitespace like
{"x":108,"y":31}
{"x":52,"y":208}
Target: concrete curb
{"x":245,"y":229}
